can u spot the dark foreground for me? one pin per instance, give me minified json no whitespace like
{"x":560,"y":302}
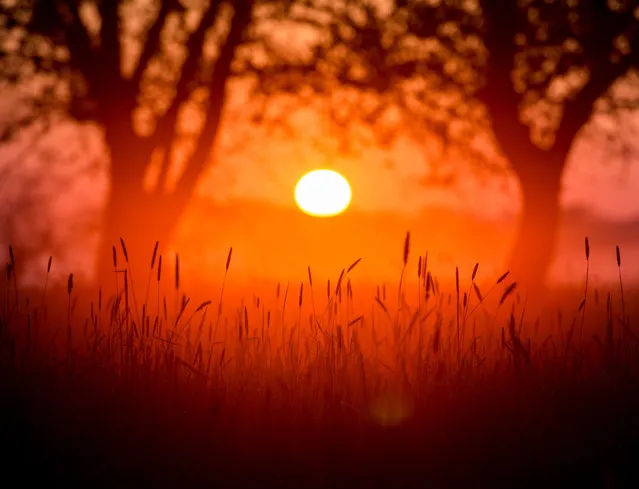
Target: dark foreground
{"x":163,"y":404}
{"x":85,"y":429}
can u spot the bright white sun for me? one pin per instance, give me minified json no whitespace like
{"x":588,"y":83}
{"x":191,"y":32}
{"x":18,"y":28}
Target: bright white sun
{"x":323,"y":193}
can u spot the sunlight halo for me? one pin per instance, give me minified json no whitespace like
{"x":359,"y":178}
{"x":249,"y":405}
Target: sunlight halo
{"x":323,"y":193}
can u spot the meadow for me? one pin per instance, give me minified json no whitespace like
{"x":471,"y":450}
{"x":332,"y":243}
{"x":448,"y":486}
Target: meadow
{"x":443,"y":382}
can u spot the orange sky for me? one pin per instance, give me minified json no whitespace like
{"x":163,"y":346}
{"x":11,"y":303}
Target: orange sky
{"x":595,"y":178}
{"x":268,"y":170}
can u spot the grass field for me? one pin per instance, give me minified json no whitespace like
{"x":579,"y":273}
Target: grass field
{"x":429,"y":382}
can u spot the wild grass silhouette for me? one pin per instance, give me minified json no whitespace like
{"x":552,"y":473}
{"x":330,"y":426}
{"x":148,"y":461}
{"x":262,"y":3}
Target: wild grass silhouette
{"x":313,"y":385}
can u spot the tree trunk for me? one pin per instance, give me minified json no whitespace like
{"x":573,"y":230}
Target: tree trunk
{"x":538,"y":229}
{"x":140,"y":219}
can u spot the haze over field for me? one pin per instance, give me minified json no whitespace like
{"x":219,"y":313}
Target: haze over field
{"x":237,"y":189}
{"x":277,"y":243}
{"x":177,"y":308}
{"x":246,"y":201}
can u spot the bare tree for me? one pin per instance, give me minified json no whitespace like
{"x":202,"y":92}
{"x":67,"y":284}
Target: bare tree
{"x":152,"y":74}
{"x":492,"y":80}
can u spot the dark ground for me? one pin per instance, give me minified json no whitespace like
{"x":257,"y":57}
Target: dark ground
{"x":75,"y":432}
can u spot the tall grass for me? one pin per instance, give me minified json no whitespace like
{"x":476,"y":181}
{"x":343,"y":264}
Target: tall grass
{"x":408,"y":367}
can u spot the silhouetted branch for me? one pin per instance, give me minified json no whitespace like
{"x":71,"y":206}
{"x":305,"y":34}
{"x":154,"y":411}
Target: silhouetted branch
{"x":78,"y":41}
{"x":110,"y":48}
{"x":164,"y":135}
{"x":152,"y":41}
{"x":217,"y":86}
{"x":578,"y":110}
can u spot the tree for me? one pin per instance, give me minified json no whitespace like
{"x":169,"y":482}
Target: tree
{"x":152,"y":74}
{"x":488,"y":78}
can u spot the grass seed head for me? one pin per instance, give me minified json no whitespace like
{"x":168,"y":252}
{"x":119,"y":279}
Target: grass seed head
{"x":503,"y":277}
{"x":587,"y":245}
{"x":177,"y":271}
{"x":477,"y":292}
{"x":353,"y":265}
{"x":618,"y":256}
{"x":228,"y":259}
{"x":126,"y":254}
{"x":339,"y":281}
{"x":406,"y":247}
{"x":155,"y":252}
{"x":509,"y":290}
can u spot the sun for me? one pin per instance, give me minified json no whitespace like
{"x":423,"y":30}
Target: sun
{"x":323,"y":193}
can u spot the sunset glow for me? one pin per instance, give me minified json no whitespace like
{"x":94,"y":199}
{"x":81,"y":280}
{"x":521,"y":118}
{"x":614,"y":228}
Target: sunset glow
{"x":323,"y":193}
{"x":322,"y":244}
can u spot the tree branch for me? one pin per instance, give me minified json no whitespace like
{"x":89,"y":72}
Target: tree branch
{"x":49,"y":15}
{"x":153,"y":39}
{"x":578,"y":110}
{"x":110,"y":50}
{"x":217,"y":88}
{"x":165,"y":127}
{"x":164,"y":135}
{"x":498,"y":93}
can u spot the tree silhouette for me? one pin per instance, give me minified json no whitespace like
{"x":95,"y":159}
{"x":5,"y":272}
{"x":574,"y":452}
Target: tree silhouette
{"x":153,"y":75}
{"x":519,"y":77}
